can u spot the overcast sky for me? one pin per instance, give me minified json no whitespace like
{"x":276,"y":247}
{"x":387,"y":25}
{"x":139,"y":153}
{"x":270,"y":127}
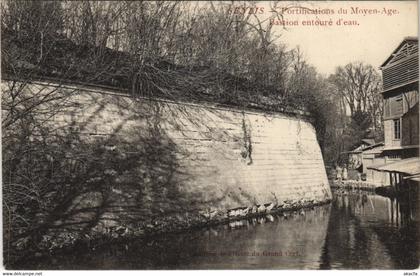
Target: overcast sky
{"x":372,"y":41}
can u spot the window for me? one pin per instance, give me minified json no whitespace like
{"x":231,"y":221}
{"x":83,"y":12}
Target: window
{"x":397,"y":129}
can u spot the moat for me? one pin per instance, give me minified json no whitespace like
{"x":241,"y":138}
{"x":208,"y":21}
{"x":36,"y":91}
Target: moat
{"x":358,"y":230}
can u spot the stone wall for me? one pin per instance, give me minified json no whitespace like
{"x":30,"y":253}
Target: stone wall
{"x":194,"y":157}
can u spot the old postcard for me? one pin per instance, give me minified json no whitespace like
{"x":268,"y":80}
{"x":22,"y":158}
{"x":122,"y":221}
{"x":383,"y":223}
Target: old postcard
{"x":208,"y":135}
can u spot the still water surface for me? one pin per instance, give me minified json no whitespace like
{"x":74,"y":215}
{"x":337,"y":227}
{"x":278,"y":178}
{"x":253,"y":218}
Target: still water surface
{"x":358,"y":230}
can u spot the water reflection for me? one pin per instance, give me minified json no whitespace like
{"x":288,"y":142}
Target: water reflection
{"x":356,"y":231}
{"x":370,"y":231}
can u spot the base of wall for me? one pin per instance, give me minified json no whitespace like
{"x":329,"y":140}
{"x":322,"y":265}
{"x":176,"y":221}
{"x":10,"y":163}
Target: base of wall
{"x":234,"y":218}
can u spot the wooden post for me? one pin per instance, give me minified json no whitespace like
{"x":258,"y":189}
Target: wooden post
{"x":392,"y":211}
{"x":391,"y":182}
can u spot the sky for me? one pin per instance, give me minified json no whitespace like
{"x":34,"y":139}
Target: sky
{"x":371,"y":41}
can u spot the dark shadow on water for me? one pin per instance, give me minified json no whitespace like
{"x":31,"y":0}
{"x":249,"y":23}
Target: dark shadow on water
{"x":356,"y":231}
{"x":286,"y":241}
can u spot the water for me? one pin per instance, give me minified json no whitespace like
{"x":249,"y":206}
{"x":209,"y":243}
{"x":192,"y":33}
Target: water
{"x":357,"y":230}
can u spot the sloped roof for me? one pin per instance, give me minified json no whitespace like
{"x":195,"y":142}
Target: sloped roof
{"x":369,"y":141}
{"x":407,"y":39}
{"x":409,"y":166}
{"x":374,"y":149}
{"x":359,"y":150}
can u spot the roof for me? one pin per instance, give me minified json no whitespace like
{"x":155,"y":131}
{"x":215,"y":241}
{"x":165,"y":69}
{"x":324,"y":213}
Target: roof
{"x":369,"y":141}
{"x":374,"y":149}
{"x":415,"y":177}
{"x":360,"y":150}
{"x":405,"y":40}
{"x":408,"y":166}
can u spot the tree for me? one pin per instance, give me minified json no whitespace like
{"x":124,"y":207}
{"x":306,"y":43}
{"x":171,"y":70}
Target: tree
{"x":359,"y":85}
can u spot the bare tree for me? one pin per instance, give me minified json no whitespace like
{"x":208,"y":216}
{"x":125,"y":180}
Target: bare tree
{"x":359,"y":85}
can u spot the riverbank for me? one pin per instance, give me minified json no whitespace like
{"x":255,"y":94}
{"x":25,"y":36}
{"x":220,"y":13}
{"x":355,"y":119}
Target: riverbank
{"x":357,"y":230}
{"x":353,"y":185}
{"x":67,"y":242}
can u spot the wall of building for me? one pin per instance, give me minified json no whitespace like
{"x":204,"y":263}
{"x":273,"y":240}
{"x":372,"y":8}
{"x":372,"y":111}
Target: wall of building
{"x":390,"y":141}
{"x":373,"y":176}
{"x":410,"y":127}
{"x":401,"y":105}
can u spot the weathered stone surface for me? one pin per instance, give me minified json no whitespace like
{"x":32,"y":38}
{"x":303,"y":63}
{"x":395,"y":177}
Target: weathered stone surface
{"x":197,"y":157}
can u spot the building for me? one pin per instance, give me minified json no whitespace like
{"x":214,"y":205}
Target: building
{"x":355,"y":157}
{"x":400,"y":93}
{"x":404,"y":175}
{"x":373,"y":156}
{"x":400,"y":73}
